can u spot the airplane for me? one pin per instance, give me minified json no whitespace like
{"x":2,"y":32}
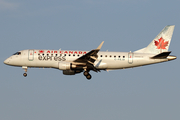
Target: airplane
{"x":73,"y":62}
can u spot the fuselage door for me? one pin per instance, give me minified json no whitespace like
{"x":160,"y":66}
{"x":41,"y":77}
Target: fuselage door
{"x":130,"y":57}
{"x":31,"y":55}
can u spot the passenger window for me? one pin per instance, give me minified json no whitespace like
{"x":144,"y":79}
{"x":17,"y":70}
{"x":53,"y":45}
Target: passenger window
{"x":74,"y":55}
{"x":119,"y":56}
{"x":105,"y":55}
{"x":114,"y":56}
{"x":110,"y":56}
{"x":123,"y":56}
{"x":64,"y":54}
{"x":101,"y":55}
{"x":69,"y":54}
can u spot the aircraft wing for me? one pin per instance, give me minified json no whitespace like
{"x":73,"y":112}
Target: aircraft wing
{"x":90,"y":57}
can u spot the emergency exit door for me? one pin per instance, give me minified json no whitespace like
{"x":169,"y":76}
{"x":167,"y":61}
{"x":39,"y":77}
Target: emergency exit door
{"x":31,"y":55}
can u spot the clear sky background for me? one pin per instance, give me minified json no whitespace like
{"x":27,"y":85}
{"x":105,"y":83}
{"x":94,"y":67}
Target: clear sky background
{"x":145,"y":93}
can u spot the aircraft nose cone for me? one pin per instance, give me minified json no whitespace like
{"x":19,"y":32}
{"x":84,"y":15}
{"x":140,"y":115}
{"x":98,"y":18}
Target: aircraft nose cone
{"x":6,"y":61}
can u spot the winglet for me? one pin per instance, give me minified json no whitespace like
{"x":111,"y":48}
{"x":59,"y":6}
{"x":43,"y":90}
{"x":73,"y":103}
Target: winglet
{"x":99,"y":47}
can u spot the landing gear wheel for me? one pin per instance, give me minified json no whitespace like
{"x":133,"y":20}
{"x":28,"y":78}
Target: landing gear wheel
{"x":86,"y":73}
{"x":25,"y":74}
{"x":88,"y":77}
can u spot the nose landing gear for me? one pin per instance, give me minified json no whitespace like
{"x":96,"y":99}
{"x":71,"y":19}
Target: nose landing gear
{"x":25,"y":68}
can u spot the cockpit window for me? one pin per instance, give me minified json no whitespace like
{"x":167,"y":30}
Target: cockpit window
{"x":17,"y":53}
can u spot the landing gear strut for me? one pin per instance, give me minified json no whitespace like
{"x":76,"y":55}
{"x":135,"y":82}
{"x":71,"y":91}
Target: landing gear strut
{"x":88,"y":76}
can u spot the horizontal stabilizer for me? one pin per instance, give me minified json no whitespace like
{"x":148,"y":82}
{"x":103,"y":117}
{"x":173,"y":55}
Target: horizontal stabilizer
{"x":161,"y":55}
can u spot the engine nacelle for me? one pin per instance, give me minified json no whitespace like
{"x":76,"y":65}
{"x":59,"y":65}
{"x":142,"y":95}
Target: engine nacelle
{"x":66,"y":66}
{"x":71,"y":72}
{"x":69,"y":66}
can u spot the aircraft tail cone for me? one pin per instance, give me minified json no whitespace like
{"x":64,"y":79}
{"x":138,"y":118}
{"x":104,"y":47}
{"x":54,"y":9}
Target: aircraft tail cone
{"x":171,"y":58}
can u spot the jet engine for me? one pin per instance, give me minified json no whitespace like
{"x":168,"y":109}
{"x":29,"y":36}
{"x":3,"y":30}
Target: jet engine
{"x":69,"y":66}
{"x":66,"y":66}
{"x":69,"y":69}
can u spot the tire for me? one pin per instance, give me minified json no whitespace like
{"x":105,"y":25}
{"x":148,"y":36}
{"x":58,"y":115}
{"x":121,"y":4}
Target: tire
{"x":25,"y":74}
{"x":86,"y":73}
{"x":88,"y":76}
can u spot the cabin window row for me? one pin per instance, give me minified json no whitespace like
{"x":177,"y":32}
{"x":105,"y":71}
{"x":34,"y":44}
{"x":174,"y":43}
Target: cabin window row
{"x":100,"y":55}
{"x":112,"y":56}
{"x":60,"y":54}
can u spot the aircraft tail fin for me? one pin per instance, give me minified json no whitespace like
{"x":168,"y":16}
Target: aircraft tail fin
{"x":161,"y":42}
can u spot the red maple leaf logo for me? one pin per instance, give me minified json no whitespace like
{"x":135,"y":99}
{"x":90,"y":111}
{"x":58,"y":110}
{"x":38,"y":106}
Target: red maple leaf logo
{"x":161,"y":44}
{"x":41,"y":51}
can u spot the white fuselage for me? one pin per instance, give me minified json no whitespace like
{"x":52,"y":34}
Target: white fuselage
{"x":106,"y":60}
{"x":73,"y":62}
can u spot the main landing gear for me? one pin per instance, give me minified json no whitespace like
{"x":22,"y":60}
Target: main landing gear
{"x":25,"y":68}
{"x":88,"y":76}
